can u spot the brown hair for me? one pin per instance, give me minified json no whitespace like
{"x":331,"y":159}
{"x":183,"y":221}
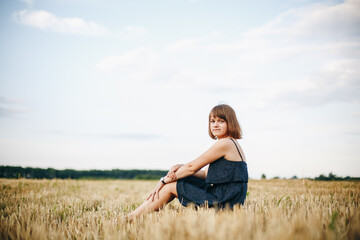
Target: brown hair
{"x":225,"y":112}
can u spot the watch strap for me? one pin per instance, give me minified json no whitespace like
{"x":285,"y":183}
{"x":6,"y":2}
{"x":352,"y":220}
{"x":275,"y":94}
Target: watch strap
{"x":162,"y":180}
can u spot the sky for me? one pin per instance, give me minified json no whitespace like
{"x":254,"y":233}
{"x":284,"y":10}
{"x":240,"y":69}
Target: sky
{"x":129,"y":84}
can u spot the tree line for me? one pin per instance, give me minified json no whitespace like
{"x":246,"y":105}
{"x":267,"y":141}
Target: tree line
{"x":322,"y":177}
{"x":50,"y":173}
{"x":333,"y":177}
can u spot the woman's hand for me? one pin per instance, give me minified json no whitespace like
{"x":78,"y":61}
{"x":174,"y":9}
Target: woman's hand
{"x":173,"y":169}
{"x":158,"y":187}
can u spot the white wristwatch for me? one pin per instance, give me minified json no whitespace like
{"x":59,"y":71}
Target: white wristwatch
{"x":162,"y":180}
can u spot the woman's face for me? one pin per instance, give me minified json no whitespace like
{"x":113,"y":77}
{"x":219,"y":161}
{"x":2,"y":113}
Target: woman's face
{"x":218,"y":127}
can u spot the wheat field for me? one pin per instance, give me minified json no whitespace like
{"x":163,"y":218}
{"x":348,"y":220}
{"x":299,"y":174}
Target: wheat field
{"x":94,"y":209}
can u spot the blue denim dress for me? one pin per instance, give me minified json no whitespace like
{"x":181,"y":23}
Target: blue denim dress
{"x":225,"y":185}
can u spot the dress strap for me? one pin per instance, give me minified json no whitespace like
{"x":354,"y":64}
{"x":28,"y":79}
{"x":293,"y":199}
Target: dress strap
{"x":237,"y":148}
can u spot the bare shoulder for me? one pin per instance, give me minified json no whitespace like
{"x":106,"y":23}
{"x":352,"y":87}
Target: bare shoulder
{"x":232,"y":149}
{"x":224,"y":143}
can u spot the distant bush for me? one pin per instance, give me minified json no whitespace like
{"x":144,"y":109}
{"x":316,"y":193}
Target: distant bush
{"x":50,"y":173}
{"x":333,"y":177}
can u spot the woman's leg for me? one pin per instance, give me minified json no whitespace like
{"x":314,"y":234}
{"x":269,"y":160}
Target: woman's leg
{"x":166,"y":195}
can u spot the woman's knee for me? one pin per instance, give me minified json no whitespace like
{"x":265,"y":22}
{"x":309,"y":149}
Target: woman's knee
{"x":171,"y":187}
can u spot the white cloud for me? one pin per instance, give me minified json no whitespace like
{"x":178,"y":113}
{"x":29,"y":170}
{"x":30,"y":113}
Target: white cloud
{"x":336,"y":81}
{"x":191,"y":44}
{"x":47,"y":21}
{"x":311,"y":55}
{"x":322,"y":40}
{"x":302,"y":56}
{"x":315,"y":22}
{"x":133,"y":32}
{"x":137,"y":64}
{"x":184,"y":45}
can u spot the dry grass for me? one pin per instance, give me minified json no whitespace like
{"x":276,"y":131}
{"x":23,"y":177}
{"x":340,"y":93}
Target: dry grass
{"x":275,"y":209}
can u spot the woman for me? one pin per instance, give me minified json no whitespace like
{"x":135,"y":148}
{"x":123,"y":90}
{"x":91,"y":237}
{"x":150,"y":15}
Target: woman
{"x":222,"y":183}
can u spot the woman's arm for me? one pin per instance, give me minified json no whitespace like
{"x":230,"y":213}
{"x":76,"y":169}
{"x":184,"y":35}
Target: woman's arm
{"x":173,"y":169}
{"x":199,"y":174}
{"x":218,"y":150}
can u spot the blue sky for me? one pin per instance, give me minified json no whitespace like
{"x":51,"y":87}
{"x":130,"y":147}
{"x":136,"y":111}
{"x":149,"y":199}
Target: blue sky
{"x":129,"y":84}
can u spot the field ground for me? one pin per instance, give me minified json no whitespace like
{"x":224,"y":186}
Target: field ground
{"x":86,"y":209}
